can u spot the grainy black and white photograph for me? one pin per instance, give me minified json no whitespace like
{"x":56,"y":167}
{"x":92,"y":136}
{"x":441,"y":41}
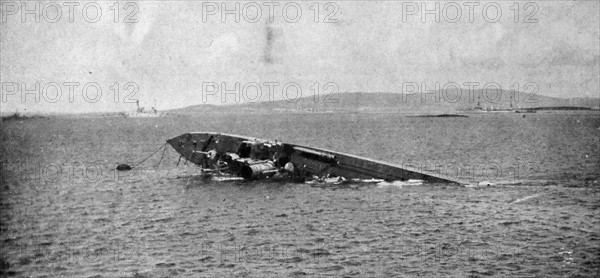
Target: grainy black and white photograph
{"x":306,"y":138}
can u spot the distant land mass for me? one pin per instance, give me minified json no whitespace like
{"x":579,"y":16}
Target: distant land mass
{"x":419,"y":103}
{"x":430,"y":103}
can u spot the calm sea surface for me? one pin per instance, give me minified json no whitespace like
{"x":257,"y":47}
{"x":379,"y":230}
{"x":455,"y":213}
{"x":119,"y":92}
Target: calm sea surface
{"x":65,"y":212}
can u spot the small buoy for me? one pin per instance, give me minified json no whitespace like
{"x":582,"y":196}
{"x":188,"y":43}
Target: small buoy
{"x":123,"y":167}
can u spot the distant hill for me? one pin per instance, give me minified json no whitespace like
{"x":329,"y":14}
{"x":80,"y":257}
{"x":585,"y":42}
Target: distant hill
{"x":431,"y":102}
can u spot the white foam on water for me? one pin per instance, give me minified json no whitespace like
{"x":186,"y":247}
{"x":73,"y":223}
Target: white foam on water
{"x":525,"y":198}
{"x":226,"y":178}
{"x":480,"y":184}
{"x":399,"y":184}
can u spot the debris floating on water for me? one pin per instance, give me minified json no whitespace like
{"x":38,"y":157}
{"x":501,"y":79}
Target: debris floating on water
{"x":123,"y":167}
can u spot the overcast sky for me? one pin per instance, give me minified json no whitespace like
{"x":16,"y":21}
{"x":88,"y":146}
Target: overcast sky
{"x":177,"y":46}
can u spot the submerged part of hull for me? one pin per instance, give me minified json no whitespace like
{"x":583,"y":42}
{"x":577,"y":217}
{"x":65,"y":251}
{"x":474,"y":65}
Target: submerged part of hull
{"x":254,"y":158}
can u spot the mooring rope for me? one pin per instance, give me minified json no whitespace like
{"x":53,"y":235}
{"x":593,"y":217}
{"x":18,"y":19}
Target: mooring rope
{"x":161,"y":157}
{"x":163,"y":146}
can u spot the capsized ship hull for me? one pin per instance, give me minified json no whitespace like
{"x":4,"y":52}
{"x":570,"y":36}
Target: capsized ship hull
{"x":254,"y":158}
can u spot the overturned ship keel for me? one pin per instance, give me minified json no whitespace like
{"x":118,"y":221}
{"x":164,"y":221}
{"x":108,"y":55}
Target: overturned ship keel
{"x":253,"y":158}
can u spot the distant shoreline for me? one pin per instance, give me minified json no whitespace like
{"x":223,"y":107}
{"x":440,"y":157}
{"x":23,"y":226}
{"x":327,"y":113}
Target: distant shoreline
{"x":409,"y":114}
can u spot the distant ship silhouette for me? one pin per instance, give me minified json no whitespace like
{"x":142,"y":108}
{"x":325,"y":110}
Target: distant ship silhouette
{"x":141,"y":112}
